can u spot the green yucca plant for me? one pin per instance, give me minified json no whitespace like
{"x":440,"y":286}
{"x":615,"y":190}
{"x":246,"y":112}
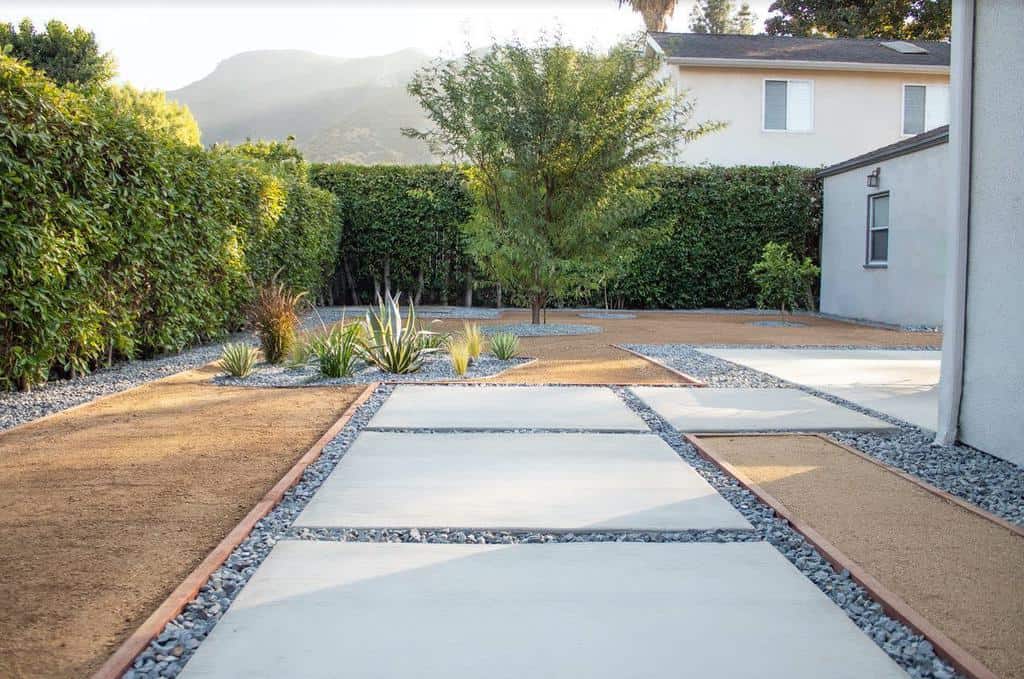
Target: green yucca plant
{"x":275,"y":316}
{"x":505,"y":345}
{"x":458,"y":354}
{"x":474,"y":339}
{"x":337,"y":350}
{"x":390,"y":344}
{"x":237,"y":360}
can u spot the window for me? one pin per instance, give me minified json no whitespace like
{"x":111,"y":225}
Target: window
{"x":925,"y":107}
{"x":789,"y":105}
{"x":878,"y":229}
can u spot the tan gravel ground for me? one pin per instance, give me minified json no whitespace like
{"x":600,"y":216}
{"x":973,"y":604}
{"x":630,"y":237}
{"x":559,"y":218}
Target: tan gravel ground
{"x":958,"y":569}
{"x":105,"y":509}
{"x":588,"y":359}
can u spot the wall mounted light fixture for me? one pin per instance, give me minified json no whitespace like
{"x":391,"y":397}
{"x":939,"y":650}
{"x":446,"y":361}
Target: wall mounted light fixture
{"x":873,"y":178}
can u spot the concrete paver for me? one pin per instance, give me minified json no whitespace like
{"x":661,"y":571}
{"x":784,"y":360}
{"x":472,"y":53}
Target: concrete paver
{"x":746,"y":410}
{"x":455,"y":407}
{"x":598,"y":610}
{"x":517,"y":481}
{"x":902,"y":384}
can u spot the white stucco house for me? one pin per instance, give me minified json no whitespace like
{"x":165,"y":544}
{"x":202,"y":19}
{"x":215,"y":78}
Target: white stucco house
{"x":884,"y":224}
{"x":803,"y":101}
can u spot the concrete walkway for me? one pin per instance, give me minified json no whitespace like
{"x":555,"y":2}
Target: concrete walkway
{"x":715,"y":608}
{"x":899,"y":383}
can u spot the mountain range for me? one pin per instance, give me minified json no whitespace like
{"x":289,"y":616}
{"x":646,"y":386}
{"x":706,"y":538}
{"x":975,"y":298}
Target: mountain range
{"x":337,"y":109}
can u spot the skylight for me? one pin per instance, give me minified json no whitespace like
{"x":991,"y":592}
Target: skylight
{"x":904,"y":47}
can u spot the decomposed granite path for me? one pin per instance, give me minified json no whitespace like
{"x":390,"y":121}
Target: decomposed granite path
{"x":620,"y":558}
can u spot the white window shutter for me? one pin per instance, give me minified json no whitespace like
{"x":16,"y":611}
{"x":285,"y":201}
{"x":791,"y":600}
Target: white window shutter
{"x":799,"y":107}
{"x":936,"y":112}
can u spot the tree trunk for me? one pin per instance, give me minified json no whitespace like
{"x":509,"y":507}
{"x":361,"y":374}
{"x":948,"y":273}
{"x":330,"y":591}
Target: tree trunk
{"x":350,"y":281}
{"x":376,"y":287}
{"x":468,"y":296}
{"x":497,"y":296}
{"x":387,"y":276}
{"x":535,"y":310}
{"x":419,"y":287}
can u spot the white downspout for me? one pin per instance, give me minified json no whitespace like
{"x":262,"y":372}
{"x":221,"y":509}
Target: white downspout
{"x":951,"y":381}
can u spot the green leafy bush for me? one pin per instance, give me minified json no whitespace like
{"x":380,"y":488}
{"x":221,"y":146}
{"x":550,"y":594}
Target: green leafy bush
{"x":505,"y":345}
{"x":275,"y":316}
{"x":121,"y":241}
{"x":337,"y":350}
{"x":237,"y":360}
{"x":784,"y":281}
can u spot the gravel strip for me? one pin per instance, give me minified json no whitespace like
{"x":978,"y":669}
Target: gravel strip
{"x":911,"y":651}
{"x":542,"y":329}
{"x":504,"y":537}
{"x":436,"y":367}
{"x":606,"y":314}
{"x":989,"y":482}
{"x":333,"y":314}
{"x":777,"y":324}
{"x":20,"y":407}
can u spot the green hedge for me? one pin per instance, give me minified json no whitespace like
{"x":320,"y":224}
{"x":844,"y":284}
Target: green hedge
{"x":400,"y":228}
{"x":716,"y":221}
{"x":119,"y":242}
{"x":719,"y":219}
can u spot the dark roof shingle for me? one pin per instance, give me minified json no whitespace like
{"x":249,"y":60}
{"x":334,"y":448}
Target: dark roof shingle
{"x":767,"y":47}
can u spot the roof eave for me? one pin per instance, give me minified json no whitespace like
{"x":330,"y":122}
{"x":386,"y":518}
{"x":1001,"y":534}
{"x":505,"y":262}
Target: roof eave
{"x":925,"y":140}
{"x":807,"y":65}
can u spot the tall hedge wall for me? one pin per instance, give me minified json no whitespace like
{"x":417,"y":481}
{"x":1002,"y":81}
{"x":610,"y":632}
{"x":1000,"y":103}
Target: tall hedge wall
{"x":716,"y":221}
{"x":120,"y":242}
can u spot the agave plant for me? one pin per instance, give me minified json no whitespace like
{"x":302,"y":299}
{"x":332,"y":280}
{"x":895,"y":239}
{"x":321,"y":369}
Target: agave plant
{"x":505,"y":345}
{"x":389,"y":343}
{"x":237,"y":360}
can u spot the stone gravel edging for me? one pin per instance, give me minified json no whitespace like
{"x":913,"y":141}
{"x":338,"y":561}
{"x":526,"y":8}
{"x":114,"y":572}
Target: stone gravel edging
{"x":513,"y":537}
{"x":910,"y":650}
{"x":610,"y":315}
{"x":542,"y":329}
{"x":991,"y":483}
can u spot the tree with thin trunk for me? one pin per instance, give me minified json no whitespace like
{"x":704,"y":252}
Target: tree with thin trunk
{"x":555,"y":138}
{"x":656,"y":13}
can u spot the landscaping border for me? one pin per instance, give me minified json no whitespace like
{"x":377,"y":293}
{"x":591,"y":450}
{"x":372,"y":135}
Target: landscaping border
{"x":893,"y":605}
{"x":122,"y":658}
{"x":690,"y":379}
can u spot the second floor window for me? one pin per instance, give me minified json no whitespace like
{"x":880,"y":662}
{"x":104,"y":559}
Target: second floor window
{"x":789,"y":105}
{"x":925,"y":107}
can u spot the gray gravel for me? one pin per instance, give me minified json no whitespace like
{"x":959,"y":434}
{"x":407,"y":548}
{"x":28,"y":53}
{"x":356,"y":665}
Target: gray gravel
{"x":435,"y":367}
{"x":542,"y":329}
{"x":607,"y":314}
{"x":989,"y":482}
{"x":20,"y":407}
{"x":332,"y":314}
{"x":167,"y":654}
{"x":777,"y":324}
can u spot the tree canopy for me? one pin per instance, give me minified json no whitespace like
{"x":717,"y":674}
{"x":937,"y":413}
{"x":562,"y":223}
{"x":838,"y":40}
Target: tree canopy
{"x":656,"y":13}
{"x":721,"y":16}
{"x":66,"y":56}
{"x":156,"y":113}
{"x":896,"y":19}
{"x":556,"y":138}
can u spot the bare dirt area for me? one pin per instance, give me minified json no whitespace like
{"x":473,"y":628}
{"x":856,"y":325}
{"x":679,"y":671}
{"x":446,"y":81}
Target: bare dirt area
{"x":106,"y":508}
{"x":590,"y":359}
{"x":954,"y":567}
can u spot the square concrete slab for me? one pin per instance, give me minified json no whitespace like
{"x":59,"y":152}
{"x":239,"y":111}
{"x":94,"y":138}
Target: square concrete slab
{"x":738,"y":410}
{"x":517,"y":481}
{"x":900,"y":383}
{"x":459,"y":407}
{"x":321,"y":610}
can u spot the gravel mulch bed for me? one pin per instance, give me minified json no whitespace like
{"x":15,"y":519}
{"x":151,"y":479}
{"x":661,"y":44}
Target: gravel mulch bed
{"x":333,"y":314}
{"x":542,"y":329}
{"x":436,"y":367}
{"x":989,"y":482}
{"x":20,"y":407}
{"x":611,"y":315}
{"x":778,"y":324}
{"x":504,"y":537}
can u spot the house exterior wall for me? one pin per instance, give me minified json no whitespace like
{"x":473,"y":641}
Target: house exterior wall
{"x":910,"y":289}
{"x":992,"y":404}
{"x":853,"y":112}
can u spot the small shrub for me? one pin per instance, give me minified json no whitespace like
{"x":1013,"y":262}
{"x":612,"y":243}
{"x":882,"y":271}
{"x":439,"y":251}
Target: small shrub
{"x":433,"y":340}
{"x":337,"y":350}
{"x":474,"y":339}
{"x":274,"y":314}
{"x":505,"y":345}
{"x":237,"y":360}
{"x":390,"y":344}
{"x":302,"y":351}
{"x":783,"y":279}
{"x":459,"y":355}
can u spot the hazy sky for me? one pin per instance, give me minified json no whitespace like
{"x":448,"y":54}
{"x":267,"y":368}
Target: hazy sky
{"x":166,"y":44}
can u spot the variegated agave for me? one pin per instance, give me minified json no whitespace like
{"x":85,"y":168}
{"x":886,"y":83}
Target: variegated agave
{"x":390,"y":344}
